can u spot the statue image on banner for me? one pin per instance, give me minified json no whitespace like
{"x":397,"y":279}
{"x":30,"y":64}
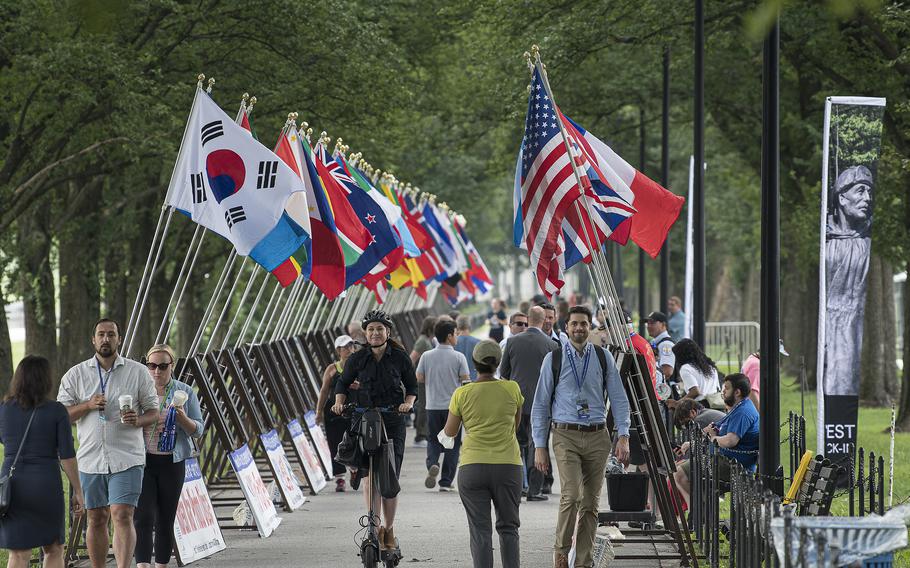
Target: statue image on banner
{"x":847,"y":249}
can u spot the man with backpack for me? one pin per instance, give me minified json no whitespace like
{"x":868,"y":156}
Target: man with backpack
{"x":575,"y":381}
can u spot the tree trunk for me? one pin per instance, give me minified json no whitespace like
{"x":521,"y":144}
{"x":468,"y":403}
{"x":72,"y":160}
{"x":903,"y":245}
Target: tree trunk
{"x":79,"y":286}
{"x":873,"y":365}
{"x":889,"y":327}
{"x":6,"y":348}
{"x":37,"y":286}
{"x":903,"y":417}
{"x":799,"y":317}
{"x":726,"y":300}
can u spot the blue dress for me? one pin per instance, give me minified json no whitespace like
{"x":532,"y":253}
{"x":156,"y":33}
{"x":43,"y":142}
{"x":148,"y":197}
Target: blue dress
{"x":37,"y":511}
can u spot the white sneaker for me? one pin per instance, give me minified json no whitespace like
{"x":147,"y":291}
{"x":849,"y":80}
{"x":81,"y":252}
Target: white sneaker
{"x":446,"y":489}
{"x":430,"y":481}
{"x":420,"y":443}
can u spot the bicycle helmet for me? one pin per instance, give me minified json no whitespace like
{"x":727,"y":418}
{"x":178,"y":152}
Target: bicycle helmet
{"x":376,"y":316}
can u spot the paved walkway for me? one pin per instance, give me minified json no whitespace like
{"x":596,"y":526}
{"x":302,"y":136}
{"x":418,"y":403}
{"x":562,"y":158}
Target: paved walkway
{"x":430,"y":525}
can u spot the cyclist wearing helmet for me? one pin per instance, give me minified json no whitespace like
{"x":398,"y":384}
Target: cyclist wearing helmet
{"x":387,"y":378}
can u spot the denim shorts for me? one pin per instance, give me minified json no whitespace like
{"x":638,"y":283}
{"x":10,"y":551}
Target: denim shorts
{"x":106,"y":489}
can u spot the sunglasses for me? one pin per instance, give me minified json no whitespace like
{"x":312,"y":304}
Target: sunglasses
{"x":155,"y":367}
{"x":521,"y":323}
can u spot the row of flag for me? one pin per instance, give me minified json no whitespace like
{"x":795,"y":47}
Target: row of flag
{"x":572,"y":193}
{"x":303,"y":209}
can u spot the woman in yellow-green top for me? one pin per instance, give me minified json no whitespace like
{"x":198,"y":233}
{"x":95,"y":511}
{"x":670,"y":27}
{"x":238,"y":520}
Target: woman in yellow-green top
{"x":490,"y":464}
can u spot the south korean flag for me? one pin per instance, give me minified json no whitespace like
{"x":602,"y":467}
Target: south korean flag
{"x":231,"y":184}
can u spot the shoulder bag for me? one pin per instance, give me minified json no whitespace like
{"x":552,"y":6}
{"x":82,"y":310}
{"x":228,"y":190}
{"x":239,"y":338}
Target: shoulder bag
{"x":5,"y":486}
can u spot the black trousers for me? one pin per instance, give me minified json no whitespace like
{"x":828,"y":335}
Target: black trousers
{"x":334,"y":432}
{"x":157,"y":508}
{"x":536,"y":479}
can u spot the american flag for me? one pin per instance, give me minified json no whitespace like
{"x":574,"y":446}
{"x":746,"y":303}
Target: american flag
{"x":548,"y":186}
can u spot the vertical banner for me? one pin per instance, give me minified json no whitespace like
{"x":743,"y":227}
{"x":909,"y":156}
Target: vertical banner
{"x":852,"y":145}
{"x":196,"y":531}
{"x":307,"y":457}
{"x":320,"y":441}
{"x":287,"y":481}
{"x":257,"y":496}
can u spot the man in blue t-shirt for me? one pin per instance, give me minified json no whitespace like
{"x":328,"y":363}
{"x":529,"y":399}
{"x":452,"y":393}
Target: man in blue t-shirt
{"x":736,"y":434}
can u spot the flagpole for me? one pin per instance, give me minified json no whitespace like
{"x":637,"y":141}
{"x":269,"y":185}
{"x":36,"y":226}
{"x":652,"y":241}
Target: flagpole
{"x":167,"y":213}
{"x":599,"y":287}
{"x":249,"y":315}
{"x":269,"y":315}
{"x":167,"y":321}
{"x":314,"y":321}
{"x":290,"y":309}
{"x":200,"y":331}
{"x":265,"y":313}
{"x":249,"y":285}
{"x":297,"y":327}
{"x":226,"y":307}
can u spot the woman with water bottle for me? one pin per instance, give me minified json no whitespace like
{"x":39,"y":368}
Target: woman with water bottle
{"x":167,"y":445}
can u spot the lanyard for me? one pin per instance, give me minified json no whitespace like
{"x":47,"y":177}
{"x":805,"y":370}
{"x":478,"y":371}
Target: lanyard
{"x":168,"y":391}
{"x":584,"y":369}
{"x":729,"y":414}
{"x":101,"y":380}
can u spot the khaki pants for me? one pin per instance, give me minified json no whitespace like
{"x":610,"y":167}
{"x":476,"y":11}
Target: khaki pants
{"x":582,"y":459}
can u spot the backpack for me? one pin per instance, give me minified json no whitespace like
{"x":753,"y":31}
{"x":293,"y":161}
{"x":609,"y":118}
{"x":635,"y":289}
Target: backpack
{"x":556,"y":366}
{"x":656,"y":347}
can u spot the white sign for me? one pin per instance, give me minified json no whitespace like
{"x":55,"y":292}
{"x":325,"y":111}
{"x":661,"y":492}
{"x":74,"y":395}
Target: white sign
{"x":196,"y":531}
{"x":287,"y":481}
{"x":318,"y":436}
{"x":314,"y":474}
{"x":257,"y":497}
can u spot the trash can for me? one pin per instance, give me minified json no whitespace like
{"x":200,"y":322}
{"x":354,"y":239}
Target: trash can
{"x":628,"y":491}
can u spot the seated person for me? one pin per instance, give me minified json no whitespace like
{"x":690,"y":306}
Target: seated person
{"x":736,"y":434}
{"x":690,"y":410}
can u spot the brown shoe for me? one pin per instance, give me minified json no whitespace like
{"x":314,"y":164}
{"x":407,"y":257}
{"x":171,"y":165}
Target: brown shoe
{"x":381,"y":537}
{"x":561,"y":561}
{"x":389,"y":541}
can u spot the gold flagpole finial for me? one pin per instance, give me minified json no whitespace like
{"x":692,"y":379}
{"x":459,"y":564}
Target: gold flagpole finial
{"x":309,"y":133}
{"x":249,"y":107}
{"x":245,"y":97}
{"x":199,"y":80}
{"x":208,"y":88}
{"x":304,"y":125}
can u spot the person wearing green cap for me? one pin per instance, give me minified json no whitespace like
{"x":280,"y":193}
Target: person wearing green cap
{"x":490,"y":468}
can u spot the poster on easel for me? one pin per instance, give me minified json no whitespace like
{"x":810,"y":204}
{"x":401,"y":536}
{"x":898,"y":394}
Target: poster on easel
{"x":257,"y":496}
{"x":196,"y":531}
{"x":313,"y":471}
{"x":319,"y":440}
{"x":287,"y":481}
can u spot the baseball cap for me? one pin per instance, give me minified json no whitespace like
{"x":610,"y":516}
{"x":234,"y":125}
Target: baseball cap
{"x":485,"y":350}
{"x":343,"y":341}
{"x":656,"y":316}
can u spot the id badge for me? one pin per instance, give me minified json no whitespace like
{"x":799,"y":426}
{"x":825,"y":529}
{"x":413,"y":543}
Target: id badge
{"x":581,"y":406}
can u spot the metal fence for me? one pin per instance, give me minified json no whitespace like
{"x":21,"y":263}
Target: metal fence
{"x":730,"y":342}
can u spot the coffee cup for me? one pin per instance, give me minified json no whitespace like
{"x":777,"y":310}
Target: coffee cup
{"x":180,"y":398}
{"x":126,"y":404}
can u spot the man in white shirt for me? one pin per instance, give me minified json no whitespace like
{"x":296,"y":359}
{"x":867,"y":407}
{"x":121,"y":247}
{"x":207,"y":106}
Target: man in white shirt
{"x":111,"y":451}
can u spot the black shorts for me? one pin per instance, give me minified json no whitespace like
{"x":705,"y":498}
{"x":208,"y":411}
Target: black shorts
{"x":395,"y":430}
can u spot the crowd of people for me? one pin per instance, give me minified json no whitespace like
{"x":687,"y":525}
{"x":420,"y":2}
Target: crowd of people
{"x":493,"y":417}
{"x":135,"y":425}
